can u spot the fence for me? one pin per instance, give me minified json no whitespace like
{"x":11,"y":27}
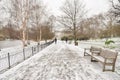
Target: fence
{"x":11,"y":59}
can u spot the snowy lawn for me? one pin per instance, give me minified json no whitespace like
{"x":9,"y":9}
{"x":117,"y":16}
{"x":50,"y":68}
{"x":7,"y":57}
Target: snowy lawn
{"x":17,"y":55}
{"x":100,"y":43}
{"x":59,"y":61}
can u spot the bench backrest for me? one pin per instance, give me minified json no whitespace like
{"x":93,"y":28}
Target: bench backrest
{"x":95,"y":49}
{"x":103,"y":53}
{"x":108,"y":54}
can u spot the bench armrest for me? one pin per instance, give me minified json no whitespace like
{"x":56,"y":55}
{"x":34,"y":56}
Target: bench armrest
{"x":109,"y":60}
{"x":95,"y":53}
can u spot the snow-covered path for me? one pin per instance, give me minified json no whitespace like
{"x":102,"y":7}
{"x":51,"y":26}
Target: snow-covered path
{"x":57,"y":62}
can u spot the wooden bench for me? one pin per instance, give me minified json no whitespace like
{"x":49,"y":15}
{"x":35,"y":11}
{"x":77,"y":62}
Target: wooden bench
{"x":106,"y":57}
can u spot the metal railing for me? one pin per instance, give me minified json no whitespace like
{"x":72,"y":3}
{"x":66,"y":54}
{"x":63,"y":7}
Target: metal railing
{"x":11,"y":59}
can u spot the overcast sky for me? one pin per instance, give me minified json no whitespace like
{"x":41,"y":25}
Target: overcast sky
{"x":93,"y":6}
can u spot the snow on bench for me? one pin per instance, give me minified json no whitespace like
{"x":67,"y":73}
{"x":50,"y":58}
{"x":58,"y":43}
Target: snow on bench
{"x":106,"y":57}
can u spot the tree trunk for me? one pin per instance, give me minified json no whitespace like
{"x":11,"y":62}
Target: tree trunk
{"x":40,"y":35}
{"x":74,"y":33}
{"x":23,"y":40}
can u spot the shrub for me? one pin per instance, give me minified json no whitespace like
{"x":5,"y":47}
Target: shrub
{"x":108,"y":42}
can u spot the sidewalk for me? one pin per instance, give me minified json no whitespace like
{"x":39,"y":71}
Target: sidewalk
{"x":59,"y":61}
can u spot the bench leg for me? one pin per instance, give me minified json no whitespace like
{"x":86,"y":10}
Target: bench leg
{"x":103,"y":67}
{"x":84,"y":53}
{"x":93,"y":60}
{"x":113,"y":68}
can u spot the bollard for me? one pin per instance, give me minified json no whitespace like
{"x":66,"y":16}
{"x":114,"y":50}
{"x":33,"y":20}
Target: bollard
{"x":9,"y":61}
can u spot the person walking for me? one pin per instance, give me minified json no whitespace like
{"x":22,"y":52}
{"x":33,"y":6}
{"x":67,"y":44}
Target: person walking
{"x":66,"y":40}
{"x":55,"y":40}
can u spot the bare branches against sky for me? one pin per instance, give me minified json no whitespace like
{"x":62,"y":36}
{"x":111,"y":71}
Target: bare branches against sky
{"x":94,"y":6}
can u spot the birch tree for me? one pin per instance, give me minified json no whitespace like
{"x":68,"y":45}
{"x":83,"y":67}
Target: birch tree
{"x":19,"y":12}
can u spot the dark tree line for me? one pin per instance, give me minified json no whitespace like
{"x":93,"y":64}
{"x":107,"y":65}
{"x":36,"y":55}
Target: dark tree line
{"x":12,"y":32}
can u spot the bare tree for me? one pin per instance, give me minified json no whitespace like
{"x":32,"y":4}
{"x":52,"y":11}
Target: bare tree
{"x":37,"y":16}
{"x":90,"y":27}
{"x":52,"y":20}
{"x":73,"y":13}
{"x":116,"y":8}
{"x":46,"y":32}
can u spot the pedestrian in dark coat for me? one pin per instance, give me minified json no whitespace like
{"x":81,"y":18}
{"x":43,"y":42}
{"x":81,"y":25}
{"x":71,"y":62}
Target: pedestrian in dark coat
{"x":66,"y":40}
{"x":55,"y":40}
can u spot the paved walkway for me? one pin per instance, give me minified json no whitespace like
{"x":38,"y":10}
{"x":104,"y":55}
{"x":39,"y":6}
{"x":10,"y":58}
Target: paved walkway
{"x":57,"y":62}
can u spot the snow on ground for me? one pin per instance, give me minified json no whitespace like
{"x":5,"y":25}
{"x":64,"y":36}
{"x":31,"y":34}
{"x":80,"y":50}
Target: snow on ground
{"x":17,"y":48}
{"x":59,"y":61}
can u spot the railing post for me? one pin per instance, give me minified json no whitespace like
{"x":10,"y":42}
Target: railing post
{"x":41,"y":47}
{"x":24,"y":53}
{"x":32,"y":51}
{"x":38,"y":47}
{"x":9,"y":61}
